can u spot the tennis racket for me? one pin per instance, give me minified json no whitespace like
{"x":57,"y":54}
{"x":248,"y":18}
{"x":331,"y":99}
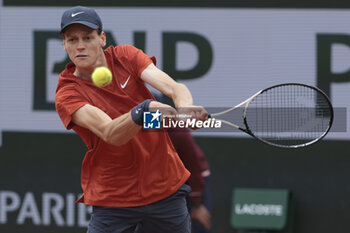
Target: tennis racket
{"x":289,"y":115}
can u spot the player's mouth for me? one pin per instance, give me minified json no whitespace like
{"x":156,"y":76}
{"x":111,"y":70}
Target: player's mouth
{"x":80,"y":56}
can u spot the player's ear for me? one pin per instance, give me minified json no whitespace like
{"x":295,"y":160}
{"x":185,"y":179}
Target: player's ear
{"x":64,"y":41}
{"x":103,"y":39}
{"x":64,"y":44}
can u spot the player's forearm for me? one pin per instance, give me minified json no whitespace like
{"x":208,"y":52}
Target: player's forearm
{"x":184,"y":103}
{"x":120,"y":130}
{"x":181,"y":96}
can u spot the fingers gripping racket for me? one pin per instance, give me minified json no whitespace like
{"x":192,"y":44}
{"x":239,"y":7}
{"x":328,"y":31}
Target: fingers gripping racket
{"x":289,"y":115}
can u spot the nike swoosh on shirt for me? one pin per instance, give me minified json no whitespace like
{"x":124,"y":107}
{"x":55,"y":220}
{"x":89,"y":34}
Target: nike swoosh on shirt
{"x":123,"y":85}
{"x":78,"y":13}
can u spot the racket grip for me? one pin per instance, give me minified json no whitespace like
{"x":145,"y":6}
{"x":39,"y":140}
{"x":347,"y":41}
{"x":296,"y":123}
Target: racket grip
{"x":209,"y":116}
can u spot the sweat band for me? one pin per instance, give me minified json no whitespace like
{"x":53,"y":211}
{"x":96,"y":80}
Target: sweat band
{"x":137,"y":111}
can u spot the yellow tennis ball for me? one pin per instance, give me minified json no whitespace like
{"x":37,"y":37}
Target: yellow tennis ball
{"x":101,"y":76}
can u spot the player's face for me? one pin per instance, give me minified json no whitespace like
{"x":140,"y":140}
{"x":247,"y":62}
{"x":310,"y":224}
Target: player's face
{"x":83,"y":45}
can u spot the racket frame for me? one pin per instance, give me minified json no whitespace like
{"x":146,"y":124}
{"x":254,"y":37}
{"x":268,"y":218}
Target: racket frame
{"x":250,"y":99}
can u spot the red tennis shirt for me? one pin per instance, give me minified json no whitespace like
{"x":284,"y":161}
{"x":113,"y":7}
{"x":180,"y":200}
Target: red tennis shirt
{"x":144,"y":170}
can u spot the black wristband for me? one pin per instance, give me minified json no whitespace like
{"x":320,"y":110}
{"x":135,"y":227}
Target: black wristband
{"x":137,"y":111}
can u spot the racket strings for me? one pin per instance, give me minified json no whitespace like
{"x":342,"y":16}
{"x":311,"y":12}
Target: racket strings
{"x":289,"y":115}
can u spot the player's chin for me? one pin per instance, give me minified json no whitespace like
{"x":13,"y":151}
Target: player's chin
{"x":82,"y":63}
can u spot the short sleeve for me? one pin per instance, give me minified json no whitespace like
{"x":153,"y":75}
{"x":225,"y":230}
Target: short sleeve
{"x":138,"y":59}
{"x":68,"y":101}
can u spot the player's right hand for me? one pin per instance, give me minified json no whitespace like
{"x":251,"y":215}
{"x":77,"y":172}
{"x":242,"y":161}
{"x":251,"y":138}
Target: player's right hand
{"x":168,"y":112}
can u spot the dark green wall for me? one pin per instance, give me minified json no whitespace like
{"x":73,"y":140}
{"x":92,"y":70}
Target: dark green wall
{"x":317,"y":176}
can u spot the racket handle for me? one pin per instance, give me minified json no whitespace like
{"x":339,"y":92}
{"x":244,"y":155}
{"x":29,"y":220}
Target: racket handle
{"x":209,"y":116}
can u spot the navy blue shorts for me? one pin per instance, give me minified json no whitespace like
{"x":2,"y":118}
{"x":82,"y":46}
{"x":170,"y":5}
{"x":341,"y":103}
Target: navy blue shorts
{"x":169,"y":215}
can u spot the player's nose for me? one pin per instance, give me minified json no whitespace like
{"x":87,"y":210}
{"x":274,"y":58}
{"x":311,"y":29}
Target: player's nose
{"x":80,"y":45}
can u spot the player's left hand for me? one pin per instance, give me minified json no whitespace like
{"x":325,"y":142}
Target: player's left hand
{"x":194,"y":112}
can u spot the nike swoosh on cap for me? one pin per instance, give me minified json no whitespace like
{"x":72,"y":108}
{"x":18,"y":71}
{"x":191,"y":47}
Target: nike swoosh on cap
{"x":78,"y":13}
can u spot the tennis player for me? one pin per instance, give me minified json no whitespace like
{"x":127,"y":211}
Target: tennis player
{"x":129,"y":176}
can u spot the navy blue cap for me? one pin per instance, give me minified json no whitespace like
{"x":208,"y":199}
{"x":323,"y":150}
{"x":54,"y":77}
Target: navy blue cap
{"x":81,"y":15}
